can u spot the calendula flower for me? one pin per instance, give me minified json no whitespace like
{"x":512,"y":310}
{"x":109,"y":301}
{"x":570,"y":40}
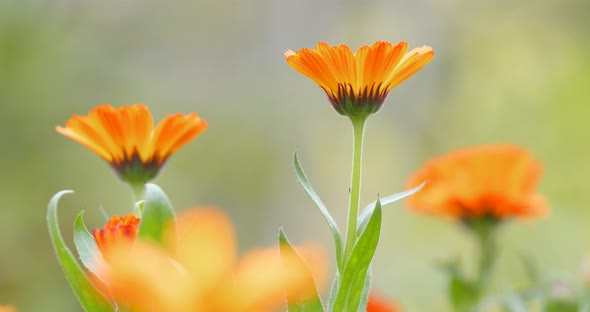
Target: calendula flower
{"x":493,"y":181}
{"x":126,"y":138}
{"x":378,"y":303}
{"x":197,"y":269}
{"x":116,"y":230}
{"x":357,"y":83}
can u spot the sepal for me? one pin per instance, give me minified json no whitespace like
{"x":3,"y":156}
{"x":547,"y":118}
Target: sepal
{"x":302,"y":178}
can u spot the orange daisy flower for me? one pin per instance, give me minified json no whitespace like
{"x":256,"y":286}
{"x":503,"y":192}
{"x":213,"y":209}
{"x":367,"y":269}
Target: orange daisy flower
{"x":197,"y":269}
{"x":126,"y":138}
{"x":357,"y":83}
{"x":495,"y":181}
{"x":377,"y":303}
{"x":116,"y":230}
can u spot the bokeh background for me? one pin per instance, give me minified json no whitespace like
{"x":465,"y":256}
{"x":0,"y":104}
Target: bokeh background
{"x":505,"y":71}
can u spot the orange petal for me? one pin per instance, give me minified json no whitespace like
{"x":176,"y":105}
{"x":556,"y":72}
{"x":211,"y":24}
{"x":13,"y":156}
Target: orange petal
{"x":204,"y":241}
{"x":142,"y":276}
{"x":137,"y":123}
{"x":340,"y":62}
{"x":8,"y":309}
{"x":412,"y":62}
{"x":173,"y":132}
{"x":378,"y":61}
{"x":377,"y":303}
{"x":311,"y":64}
{"x":78,"y":132}
{"x":495,"y":179}
{"x":253,"y":291}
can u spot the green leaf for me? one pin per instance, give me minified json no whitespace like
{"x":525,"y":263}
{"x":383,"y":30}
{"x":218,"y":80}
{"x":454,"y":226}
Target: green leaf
{"x":86,"y":245}
{"x":333,"y":292}
{"x":355,"y":273}
{"x":312,"y":304}
{"x":365,"y":294}
{"x":368,"y":211}
{"x":157,"y":212}
{"x":463,"y":293}
{"x":88,"y":296}
{"x":302,"y":178}
{"x":561,"y":305}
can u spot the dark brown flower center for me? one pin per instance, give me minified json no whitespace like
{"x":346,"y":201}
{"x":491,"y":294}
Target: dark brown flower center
{"x":356,"y":103}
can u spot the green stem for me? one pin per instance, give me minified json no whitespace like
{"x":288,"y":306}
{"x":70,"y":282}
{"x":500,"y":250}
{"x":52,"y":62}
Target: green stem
{"x":487,"y":253}
{"x":358,"y":128}
{"x":473,"y":290}
{"x":137,"y":195}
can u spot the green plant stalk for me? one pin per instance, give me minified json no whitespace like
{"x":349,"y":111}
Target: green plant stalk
{"x":358,"y":129}
{"x":487,"y":254}
{"x":137,"y":191}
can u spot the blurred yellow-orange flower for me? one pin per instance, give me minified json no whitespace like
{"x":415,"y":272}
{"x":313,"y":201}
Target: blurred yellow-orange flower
{"x":126,"y":138}
{"x":116,"y":230}
{"x":198,"y":270}
{"x":378,"y":303}
{"x":357,"y":83}
{"x":497,"y":180}
{"x":8,"y":309}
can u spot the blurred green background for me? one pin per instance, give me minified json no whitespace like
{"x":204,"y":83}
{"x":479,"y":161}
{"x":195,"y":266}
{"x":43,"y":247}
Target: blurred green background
{"x":505,"y":71}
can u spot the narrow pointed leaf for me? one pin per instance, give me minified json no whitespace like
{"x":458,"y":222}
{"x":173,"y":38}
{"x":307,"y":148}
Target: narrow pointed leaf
{"x":157,"y":212}
{"x":302,"y":178}
{"x":356,"y":269}
{"x":86,"y":245}
{"x":88,"y":296}
{"x":368,"y":211}
{"x":312,"y":304}
{"x":333,"y":292}
{"x":365,"y":294}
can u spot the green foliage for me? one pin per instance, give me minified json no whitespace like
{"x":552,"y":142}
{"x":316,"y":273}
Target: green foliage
{"x":88,"y":296}
{"x":561,"y":305}
{"x":85,"y":245}
{"x":302,"y":178}
{"x":463,"y":292}
{"x":333,"y":292}
{"x":156,"y":214}
{"x":313,"y":304}
{"x":365,"y":294}
{"x":354,"y":277}
{"x":368,"y":211}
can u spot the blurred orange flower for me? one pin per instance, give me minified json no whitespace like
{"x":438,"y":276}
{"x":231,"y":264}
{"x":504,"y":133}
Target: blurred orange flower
{"x":126,"y":138}
{"x":357,"y":83}
{"x":116,"y":230}
{"x":378,"y":303}
{"x":8,"y":309}
{"x":497,"y":180}
{"x":198,"y":270}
